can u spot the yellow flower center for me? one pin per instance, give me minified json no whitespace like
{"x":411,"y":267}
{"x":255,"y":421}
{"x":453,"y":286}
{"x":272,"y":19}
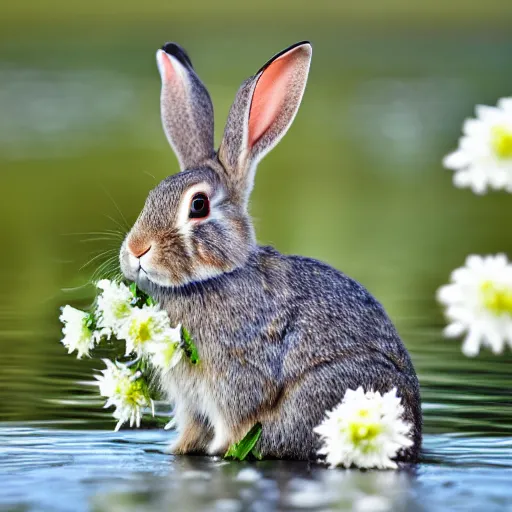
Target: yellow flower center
{"x":136,"y":393}
{"x":133,"y":392}
{"x":85,"y":333}
{"x":169,"y":352}
{"x":141,"y":331}
{"x":363,"y":431}
{"x":497,"y":300}
{"x":501,"y":141}
{"x":121,"y":309}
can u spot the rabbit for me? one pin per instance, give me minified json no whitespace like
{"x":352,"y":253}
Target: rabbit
{"x":280,"y":338}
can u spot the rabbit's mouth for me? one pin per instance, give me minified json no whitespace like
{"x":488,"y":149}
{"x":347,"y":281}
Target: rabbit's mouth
{"x":132,"y":267}
{"x":140,"y":269}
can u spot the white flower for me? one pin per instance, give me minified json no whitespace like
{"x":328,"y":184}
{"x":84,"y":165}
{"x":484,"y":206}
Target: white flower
{"x":365,"y":430}
{"x":479,"y":303}
{"x":77,"y":336}
{"x":113,"y":306}
{"x":126,"y":391}
{"x":166,"y":353}
{"x":146,"y":324}
{"x":484,"y":157}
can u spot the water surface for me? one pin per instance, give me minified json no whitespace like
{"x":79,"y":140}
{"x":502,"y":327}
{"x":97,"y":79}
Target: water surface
{"x":56,"y":470}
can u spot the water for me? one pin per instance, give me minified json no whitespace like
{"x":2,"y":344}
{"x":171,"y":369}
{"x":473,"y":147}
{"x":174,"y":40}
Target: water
{"x":80,"y":146}
{"x":59,"y":470}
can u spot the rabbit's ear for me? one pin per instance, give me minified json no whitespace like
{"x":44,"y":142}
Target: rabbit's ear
{"x":186,"y":107}
{"x":264,"y":109}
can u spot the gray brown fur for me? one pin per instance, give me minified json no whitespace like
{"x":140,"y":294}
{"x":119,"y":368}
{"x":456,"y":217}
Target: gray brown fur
{"x":281,"y":338}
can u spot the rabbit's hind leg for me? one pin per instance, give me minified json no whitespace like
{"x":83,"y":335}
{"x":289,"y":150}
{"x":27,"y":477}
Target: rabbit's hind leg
{"x":288,"y":427}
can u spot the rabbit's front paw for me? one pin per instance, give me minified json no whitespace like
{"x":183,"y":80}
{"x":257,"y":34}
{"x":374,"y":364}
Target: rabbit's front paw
{"x":221,"y":440}
{"x":191,"y":440}
{"x":218,"y":447}
{"x":179,"y":447}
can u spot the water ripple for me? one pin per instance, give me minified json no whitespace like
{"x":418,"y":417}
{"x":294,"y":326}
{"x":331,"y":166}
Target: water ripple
{"x":130,"y":470}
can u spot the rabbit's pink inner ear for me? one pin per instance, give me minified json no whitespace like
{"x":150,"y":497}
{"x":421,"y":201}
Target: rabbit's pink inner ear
{"x":170,"y":71}
{"x":164,"y":66}
{"x":269,"y":96}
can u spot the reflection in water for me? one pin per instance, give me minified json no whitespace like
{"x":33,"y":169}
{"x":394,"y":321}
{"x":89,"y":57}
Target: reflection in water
{"x":129,"y":471}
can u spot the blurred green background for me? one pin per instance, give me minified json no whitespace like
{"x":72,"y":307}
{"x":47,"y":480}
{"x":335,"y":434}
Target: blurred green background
{"x":390,"y":84}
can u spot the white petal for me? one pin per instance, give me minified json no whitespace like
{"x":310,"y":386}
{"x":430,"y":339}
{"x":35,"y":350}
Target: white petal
{"x":474,"y":262}
{"x":171,"y":424}
{"x":478,"y":183}
{"x":471,"y":345}
{"x":460,"y":314}
{"x":454,"y":330}
{"x":462,"y":179}
{"x":456,"y":160}
{"x":502,"y":257}
{"x":494,"y":341}
{"x":449,"y":294}
{"x":473,"y":127}
{"x":505,"y":104}
{"x":487,"y":114}
{"x":498,"y":179}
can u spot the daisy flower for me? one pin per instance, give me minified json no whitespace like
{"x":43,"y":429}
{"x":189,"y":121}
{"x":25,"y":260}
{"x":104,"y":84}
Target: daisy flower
{"x":126,"y":391}
{"x":77,"y":335}
{"x":478,"y":303}
{"x":146,"y":324}
{"x":114,"y":306}
{"x":365,"y":430}
{"x":167,"y":352}
{"x":483,"y":159}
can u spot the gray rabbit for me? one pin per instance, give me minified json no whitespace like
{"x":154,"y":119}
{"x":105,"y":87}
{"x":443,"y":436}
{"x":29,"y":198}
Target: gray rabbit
{"x":281,"y":338}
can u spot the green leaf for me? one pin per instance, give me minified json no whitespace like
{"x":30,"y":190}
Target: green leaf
{"x":256,"y":454}
{"x":240,"y":450}
{"x":133,"y":289}
{"x":90,"y":321}
{"x":189,"y":346}
{"x":139,"y":297}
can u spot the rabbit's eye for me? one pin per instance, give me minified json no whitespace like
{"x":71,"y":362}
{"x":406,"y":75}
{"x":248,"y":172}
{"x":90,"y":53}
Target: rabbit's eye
{"x":199,"y":206}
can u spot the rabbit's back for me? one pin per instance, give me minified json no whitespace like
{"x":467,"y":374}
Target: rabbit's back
{"x":338,"y":337}
{"x":335,"y":314}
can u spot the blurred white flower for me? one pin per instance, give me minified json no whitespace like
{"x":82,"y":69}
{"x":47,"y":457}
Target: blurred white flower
{"x":478,"y":303}
{"x":144,"y":325}
{"x":113,"y":306}
{"x":484,"y":157}
{"x":166,"y":353}
{"x":126,"y":391}
{"x":365,"y":430}
{"x":77,"y":336}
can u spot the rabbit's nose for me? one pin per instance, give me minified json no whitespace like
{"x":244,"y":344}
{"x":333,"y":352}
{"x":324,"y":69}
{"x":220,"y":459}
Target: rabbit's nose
{"x":138,"y":250}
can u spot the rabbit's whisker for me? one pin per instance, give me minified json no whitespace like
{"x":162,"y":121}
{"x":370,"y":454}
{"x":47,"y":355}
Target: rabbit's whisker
{"x":117,"y":223}
{"x":98,"y":239}
{"x":149,"y":174}
{"x":108,"y":268}
{"x":96,"y":257}
{"x":127,"y":225}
